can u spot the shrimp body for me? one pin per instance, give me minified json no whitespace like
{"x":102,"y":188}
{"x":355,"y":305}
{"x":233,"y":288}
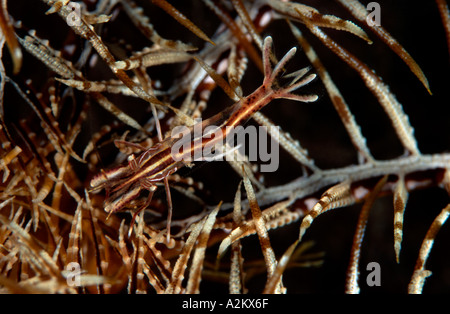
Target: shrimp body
{"x":125,"y":183}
